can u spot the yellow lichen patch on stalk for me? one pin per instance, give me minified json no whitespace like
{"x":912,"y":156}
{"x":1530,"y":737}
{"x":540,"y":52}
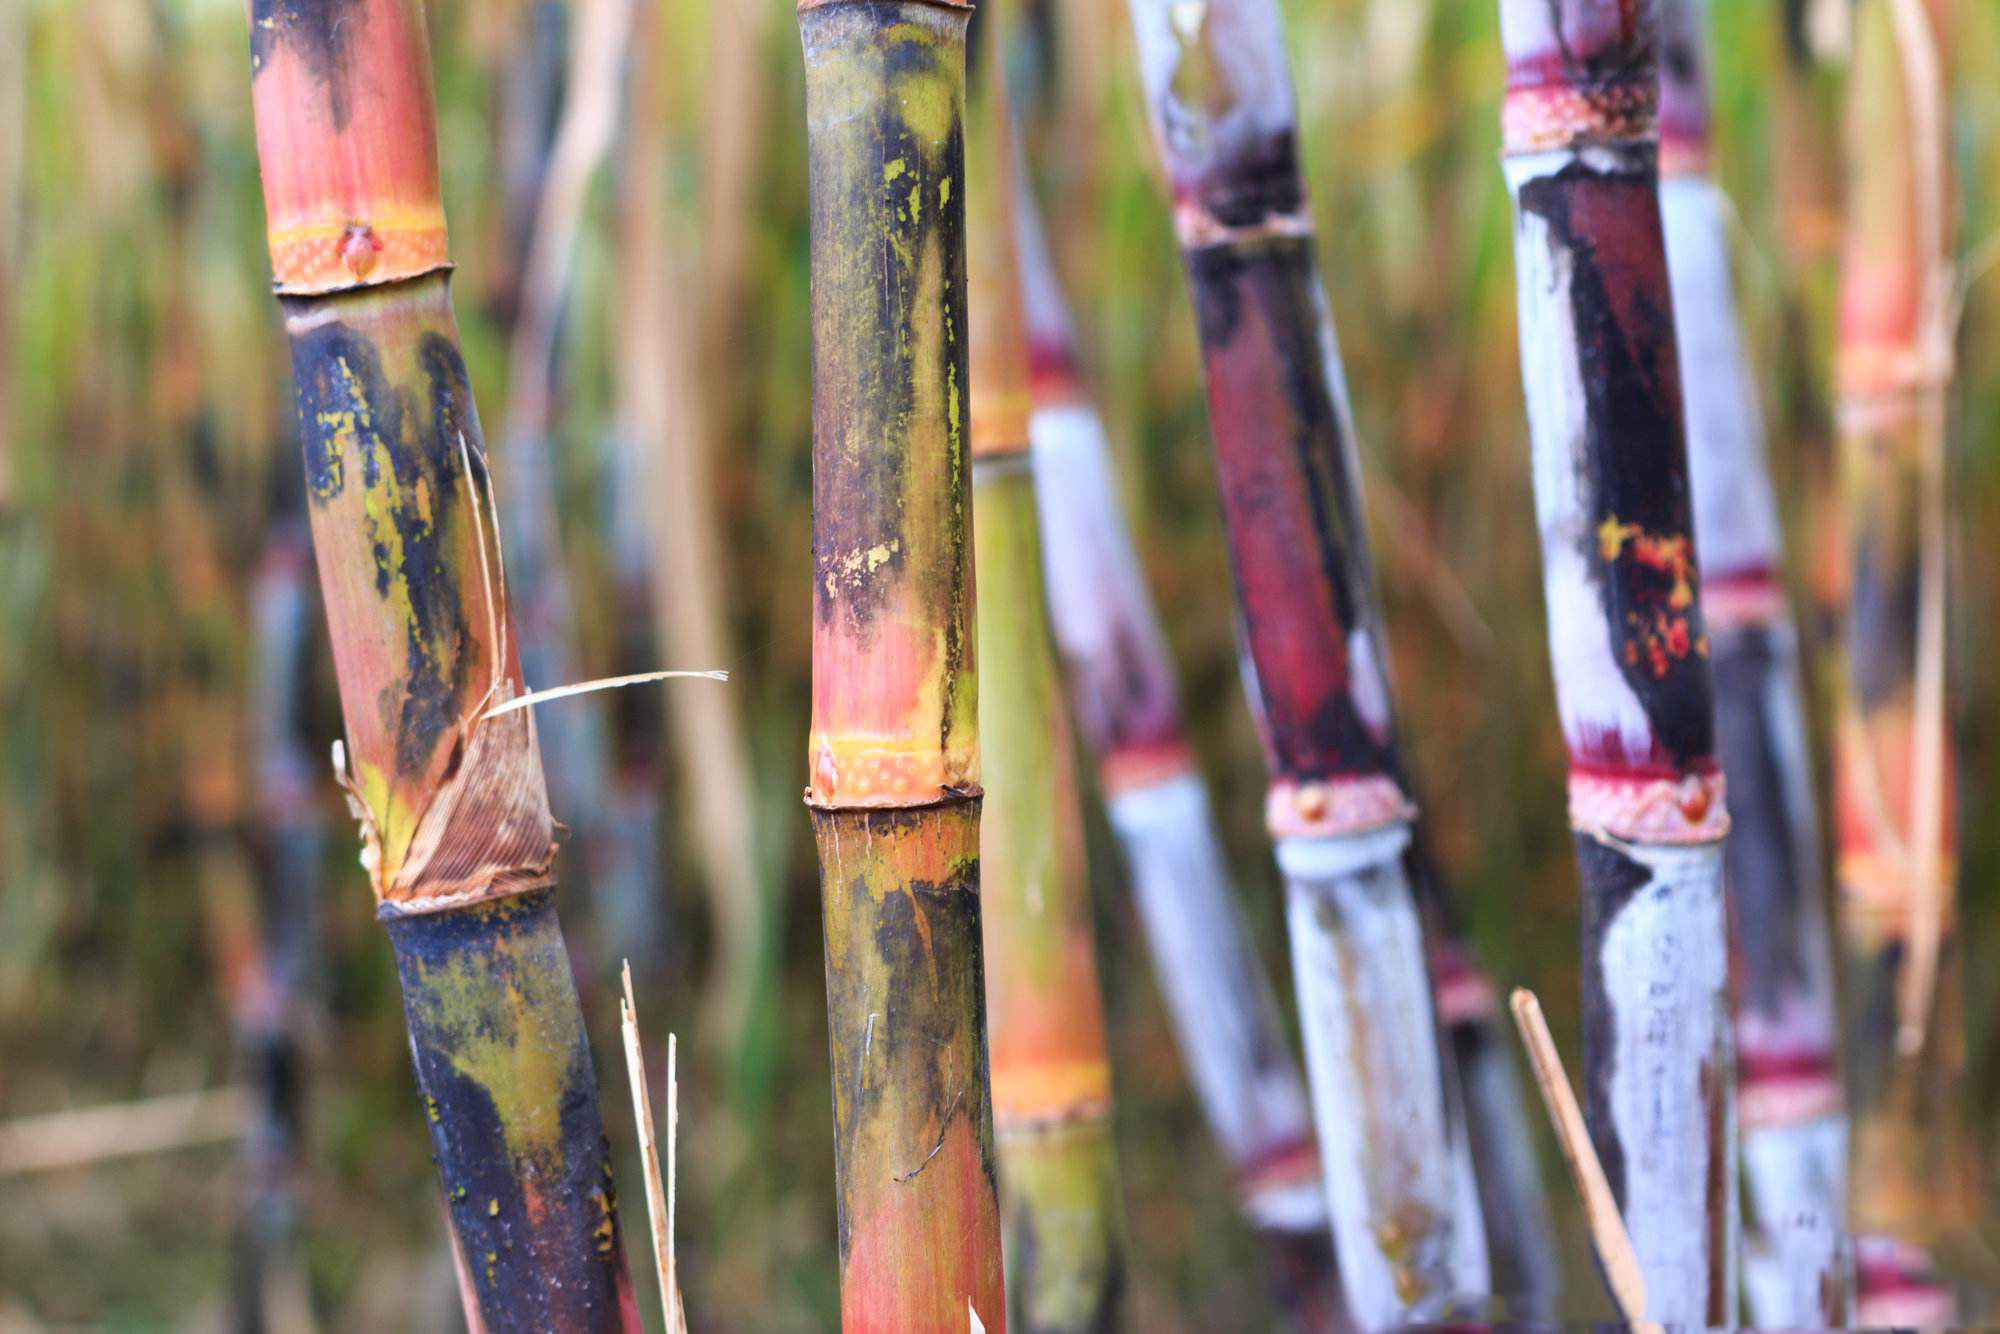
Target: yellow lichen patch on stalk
{"x":492,"y":1019}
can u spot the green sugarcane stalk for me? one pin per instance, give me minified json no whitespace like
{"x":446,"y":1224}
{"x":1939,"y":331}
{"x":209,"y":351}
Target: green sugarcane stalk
{"x":1051,"y":1073}
{"x":894,"y":749}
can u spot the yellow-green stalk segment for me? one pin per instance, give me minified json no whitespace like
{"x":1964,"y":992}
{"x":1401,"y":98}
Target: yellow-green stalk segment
{"x":1051,"y":1076}
{"x":1913,"y":1173}
{"x":1051,"y":1072}
{"x":456,"y":831}
{"x":894,"y":747}
{"x":1217,"y":84}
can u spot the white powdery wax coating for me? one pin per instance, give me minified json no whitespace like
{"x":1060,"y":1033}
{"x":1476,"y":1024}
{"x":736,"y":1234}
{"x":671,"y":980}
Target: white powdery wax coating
{"x":1095,"y":586}
{"x":1786,"y":1264}
{"x":1471,"y":1273}
{"x":1533,"y":27}
{"x":1735,"y":512}
{"x":1223,"y":1012}
{"x":1664,"y":967}
{"x":1592,"y":696}
{"x":1246,"y":83}
{"x":1371,"y":1053}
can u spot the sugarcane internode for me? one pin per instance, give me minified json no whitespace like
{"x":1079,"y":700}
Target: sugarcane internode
{"x":1126,"y":703}
{"x":1797,"y":1271}
{"x":894,"y":749}
{"x":1221,"y":104}
{"x":457,"y":835}
{"x":1052,"y":1098}
{"x":1630,"y":647}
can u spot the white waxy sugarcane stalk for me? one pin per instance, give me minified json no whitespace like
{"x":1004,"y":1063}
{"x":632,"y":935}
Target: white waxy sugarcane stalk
{"x":1626,"y":634}
{"x":1794,"y":1124}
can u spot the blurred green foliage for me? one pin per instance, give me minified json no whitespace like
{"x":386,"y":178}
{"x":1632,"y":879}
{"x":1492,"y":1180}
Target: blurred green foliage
{"x":151,"y":421}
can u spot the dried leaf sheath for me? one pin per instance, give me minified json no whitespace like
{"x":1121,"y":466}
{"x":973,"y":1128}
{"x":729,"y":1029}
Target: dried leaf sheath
{"x":1123,"y":693}
{"x":1894,"y":767}
{"x":454,"y":814}
{"x":1794,"y":1127}
{"x":1051,"y":1072}
{"x":1221,"y":107}
{"x":894,"y":759}
{"x":1630,"y":649}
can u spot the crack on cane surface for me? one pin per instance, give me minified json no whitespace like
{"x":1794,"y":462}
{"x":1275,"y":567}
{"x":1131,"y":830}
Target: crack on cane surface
{"x":937,"y":1148}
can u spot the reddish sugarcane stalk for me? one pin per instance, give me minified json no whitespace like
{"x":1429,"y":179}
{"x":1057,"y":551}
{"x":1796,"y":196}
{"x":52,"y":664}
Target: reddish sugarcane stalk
{"x":1045,"y":1012}
{"x":1626,"y":634}
{"x":894,"y":747}
{"x":1894,"y":834}
{"x":457,"y":835}
{"x":1221,"y":103}
{"x":1789,"y":1099}
{"x":1126,"y":702}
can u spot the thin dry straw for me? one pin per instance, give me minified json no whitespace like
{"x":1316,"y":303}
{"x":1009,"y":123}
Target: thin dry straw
{"x":1924,"y":81}
{"x":659,"y":1201}
{"x":81,"y":1136}
{"x":1600,"y":1207}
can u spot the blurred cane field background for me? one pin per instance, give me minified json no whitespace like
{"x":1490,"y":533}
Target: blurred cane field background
{"x":149,"y":472}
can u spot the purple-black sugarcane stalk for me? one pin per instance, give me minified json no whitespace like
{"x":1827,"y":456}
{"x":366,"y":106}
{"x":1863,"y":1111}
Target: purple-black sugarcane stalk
{"x":1626,"y":635}
{"x":288,"y":846}
{"x":1797,"y":1268}
{"x":1126,"y":703}
{"x":1220,"y":98}
{"x":457,"y":835}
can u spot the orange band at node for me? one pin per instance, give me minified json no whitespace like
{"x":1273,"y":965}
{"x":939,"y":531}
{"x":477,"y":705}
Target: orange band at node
{"x":851,"y":774}
{"x":1049,"y":1094}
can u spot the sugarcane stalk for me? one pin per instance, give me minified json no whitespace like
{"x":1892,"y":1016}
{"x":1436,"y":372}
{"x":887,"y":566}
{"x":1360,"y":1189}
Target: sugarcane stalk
{"x":1052,"y":1098}
{"x":1126,"y":704}
{"x":1894,"y":835}
{"x":1789,"y":1100}
{"x":894,"y":745}
{"x":254,"y":852}
{"x":1627,"y":638}
{"x":1221,"y":103}
{"x":456,"y":832}
{"x":287,"y":839}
